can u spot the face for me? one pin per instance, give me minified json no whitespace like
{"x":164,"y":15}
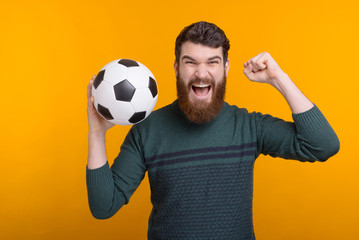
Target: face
{"x":201,"y":77}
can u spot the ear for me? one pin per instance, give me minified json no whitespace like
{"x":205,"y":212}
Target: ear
{"x":175,"y":66}
{"x":226,"y":67}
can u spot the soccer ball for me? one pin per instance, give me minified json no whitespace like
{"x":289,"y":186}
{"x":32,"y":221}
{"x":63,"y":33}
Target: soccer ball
{"x":125,"y":92}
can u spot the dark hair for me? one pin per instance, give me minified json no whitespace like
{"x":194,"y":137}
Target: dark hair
{"x":204,"y":33}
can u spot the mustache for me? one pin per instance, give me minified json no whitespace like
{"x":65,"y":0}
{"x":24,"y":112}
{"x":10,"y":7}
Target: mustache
{"x":196,"y":81}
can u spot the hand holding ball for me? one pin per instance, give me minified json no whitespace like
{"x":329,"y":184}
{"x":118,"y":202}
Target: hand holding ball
{"x":125,"y":92}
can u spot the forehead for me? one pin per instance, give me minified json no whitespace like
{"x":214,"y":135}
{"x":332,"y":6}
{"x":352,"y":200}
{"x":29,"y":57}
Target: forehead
{"x":199,"y":51}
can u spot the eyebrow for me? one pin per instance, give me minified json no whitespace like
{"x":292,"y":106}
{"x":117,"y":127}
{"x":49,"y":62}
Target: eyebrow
{"x":215,"y":57}
{"x":188,"y":57}
{"x":209,"y":59}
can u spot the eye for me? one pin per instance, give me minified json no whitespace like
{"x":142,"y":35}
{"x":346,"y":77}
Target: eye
{"x":213,"y":62}
{"x":189,"y":62}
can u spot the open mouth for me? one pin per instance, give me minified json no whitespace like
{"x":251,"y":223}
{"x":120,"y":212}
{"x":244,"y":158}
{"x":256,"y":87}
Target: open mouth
{"x":201,"y":90}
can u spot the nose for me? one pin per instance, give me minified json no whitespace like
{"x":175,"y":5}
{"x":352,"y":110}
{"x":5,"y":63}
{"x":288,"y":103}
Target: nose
{"x":201,"y":71}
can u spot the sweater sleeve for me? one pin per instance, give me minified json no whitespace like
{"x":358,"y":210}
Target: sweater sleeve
{"x":308,"y":138}
{"x":109,"y":188}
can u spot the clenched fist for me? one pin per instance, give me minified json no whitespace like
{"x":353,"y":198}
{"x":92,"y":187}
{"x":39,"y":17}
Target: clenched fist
{"x":262,"y":68}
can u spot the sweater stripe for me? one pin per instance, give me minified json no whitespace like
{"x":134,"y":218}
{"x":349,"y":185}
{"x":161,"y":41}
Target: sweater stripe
{"x":199,"y":151}
{"x":201,"y":154}
{"x":201,"y":157}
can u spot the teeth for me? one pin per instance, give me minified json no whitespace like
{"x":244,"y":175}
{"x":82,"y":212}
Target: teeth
{"x":201,"y":85}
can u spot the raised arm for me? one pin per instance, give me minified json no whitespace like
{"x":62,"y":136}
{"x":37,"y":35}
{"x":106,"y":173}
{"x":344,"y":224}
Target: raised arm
{"x":310,"y":137}
{"x":262,"y":68}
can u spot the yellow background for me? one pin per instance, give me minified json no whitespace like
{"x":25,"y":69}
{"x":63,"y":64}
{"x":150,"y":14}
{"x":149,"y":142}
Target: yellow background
{"x":50,"y":49}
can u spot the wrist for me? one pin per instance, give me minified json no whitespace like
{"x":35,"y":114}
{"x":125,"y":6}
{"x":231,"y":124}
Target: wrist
{"x":280,"y":79}
{"x":282,"y":82}
{"x":96,"y":133}
{"x":298,"y":103}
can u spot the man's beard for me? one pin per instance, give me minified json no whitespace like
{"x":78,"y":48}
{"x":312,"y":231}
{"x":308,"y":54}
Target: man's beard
{"x":201,"y":111}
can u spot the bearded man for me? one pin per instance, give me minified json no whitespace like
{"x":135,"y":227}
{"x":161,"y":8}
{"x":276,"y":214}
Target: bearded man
{"x":199,"y":151}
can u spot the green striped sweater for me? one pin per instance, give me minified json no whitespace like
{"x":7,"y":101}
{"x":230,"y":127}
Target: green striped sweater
{"x":201,"y":176}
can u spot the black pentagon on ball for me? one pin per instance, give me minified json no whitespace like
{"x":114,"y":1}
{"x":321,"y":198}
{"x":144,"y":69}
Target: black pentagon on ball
{"x":128,"y":63}
{"x":153,"y":87}
{"x":138,"y":116}
{"x":124,"y":91}
{"x":104,"y":112}
{"x":98,"y":78}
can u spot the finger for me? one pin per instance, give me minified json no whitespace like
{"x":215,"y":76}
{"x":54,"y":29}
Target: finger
{"x":258,"y":63}
{"x":248,"y":65}
{"x":248,"y":72}
{"x":89,"y":86}
{"x":250,"y":62}
{"x":91,"y":103}
{"x":248,"y":68}
{"x":88,"y":90}
{"x":253,"y":61}
{"x":254,"y":70}
{"x":254,"y":67}
{"x":90,"y":98}
{"x":272,"y":65}
{"x":263,"y":59}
